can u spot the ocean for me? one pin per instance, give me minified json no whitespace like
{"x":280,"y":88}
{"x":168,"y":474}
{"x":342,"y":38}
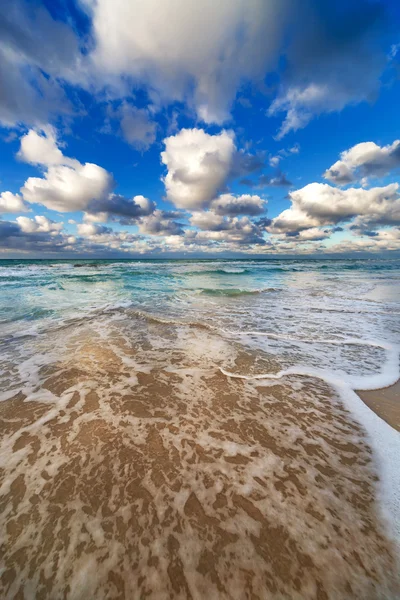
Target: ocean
{"x":191,"y":429}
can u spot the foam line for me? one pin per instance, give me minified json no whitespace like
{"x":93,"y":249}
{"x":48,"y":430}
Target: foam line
{"x":384,"y":440}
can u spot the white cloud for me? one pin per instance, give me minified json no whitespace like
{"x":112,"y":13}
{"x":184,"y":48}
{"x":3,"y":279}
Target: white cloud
{"x":246,"y":204}
{"x":68,"y":189}
{"x":159,"y":223}
{"x":301,"y":103}
{"x":68,"y":185}
{"x":200,"y":51}
{"x":198,"y":165}
{"x":39,"y":224}
{"x":275,"y":160}
{"x":41,"y":147}
{"x":364,"y":160}
{"x":313,"y":235}
{"x":91,"y":229}
{"x":218,"y":228}
{"x":35,"y":52}
{"x":384,"y":240}
{"x":321,"y":204}
{"x":118,"y":207}
{"x":208,"y":220}
{"x":137,"y":126}
{"x":12,"y":203}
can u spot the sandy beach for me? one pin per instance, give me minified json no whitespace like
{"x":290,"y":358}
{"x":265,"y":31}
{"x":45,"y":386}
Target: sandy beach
{"x":385,"y":403}
{"x":136,"y":468}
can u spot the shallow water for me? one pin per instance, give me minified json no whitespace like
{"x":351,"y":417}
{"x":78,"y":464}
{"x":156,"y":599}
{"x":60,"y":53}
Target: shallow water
{"x":189,"y":429}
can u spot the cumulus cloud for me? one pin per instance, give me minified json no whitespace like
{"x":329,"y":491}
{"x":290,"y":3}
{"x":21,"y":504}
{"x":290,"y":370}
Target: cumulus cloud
{"x":300,"y":103}
{"x":331,"y":57}
{"x":228,"y":204}
{"x":160,"y":223}
{"x":384,"y":240}
{"x":36,"y":51}
{"x":163,"y":44}
{"x":67,"y":185}
{"x":263,"y":181}
{"x":240,"y":232}
{"x":198,"y":165}
{"x":39,"y":224}
{"x":209,"y":220}
{"x":115,"y":206}
{"x":314,"y":234}
{"x":32,"y":235}
{"x":275,"y":160}
{"x":217,"y":228}
{"x":68,"y":189}
{"x":334,"y":60}
{"x":41,"y":147}
{"x":12,"y":203}
{"x":92,"y":229}
{"x":319,"y":204}
{"x":137,"y":126}
{"x":364,"y":160}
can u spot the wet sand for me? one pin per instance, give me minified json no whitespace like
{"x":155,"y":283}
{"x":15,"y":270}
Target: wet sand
{"x":135,"y":468}
{"x":385,"y":403}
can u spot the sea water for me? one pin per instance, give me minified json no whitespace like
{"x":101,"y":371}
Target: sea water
{"x":190,"y":428}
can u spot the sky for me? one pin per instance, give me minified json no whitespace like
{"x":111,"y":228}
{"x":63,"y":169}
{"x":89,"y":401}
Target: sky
{"x":162,"y":128}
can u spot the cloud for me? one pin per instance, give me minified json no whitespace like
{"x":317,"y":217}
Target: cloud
{"x":163,"y":45}
{"x":319,"y":204}
{"x":335,"y":59}
{"x":137,"y":127}
{"x":39,"y":224}
{"x":364,"y":160}
{"x":36,"y":51}
{"x":314,"y":234}
{"x":160,"y":223}
{"x":241,"y":232}
{"x":301,"y":103}
{"x":198,"y":165}
{"x":275,"y":160}
{"x":32,"y":235}
{"x":331,"y":57}
{"x":91,"y":229}
{"x":228,"y":204}
{"x":118,"y":207}
{"x":67,"y":189}
{"x":244,"y":163}
{"x":209,"y":220}
{"x":217,"y":228}
{"x":12,"y":203}
{"x":384,"y":240}
{"x":278,"y":180}
{"x":67,"y":185}
{"x":41,"y":147}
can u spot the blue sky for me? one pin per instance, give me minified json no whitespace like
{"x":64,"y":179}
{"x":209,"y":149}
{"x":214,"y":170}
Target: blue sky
{"x":240,"y":127}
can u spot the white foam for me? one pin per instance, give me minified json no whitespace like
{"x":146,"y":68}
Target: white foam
{"x":384,"y":440}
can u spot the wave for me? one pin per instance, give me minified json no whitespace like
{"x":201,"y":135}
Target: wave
{"x":232,"y":292}
{"x":87,"y":264}
{"x":238,"y":271}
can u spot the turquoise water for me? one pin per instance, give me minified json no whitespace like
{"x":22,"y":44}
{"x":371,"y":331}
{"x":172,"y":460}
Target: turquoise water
{"x":313,"y":299}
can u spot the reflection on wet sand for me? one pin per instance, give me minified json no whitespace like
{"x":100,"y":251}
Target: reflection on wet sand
{"x":134,"y":468}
